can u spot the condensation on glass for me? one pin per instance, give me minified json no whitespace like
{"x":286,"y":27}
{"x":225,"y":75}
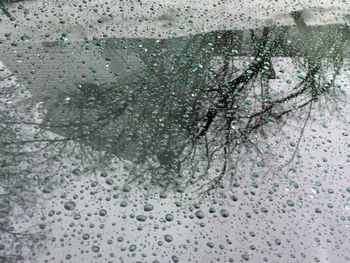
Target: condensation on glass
{"x":174,"y":131}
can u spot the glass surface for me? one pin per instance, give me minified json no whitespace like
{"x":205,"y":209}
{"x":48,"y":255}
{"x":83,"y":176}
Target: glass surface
{"x":174,"y":131}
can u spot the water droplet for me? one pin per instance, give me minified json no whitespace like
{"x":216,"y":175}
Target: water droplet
{"x":70,"y":205}
{"x":290,"y":203}
{"x":77,"y":216}
{"x":126,"y":188}
{"x":148,"y":207}
{"x":318,"y":210}
{"x":210,"y":244}
{"x":278,"y":242}
{"x":132,"y":248}
{"x":168,"y":238}
{"x":224,"y":213}
{"x":175,"y":259}
{"x":48,"y":190}
{"x":264,"y":210}
{"x":199,"y":214}
{"x":102,"y":212}
{"x":95,"y":249}
{"x":169,"y":217}
{"x":141,"y":218}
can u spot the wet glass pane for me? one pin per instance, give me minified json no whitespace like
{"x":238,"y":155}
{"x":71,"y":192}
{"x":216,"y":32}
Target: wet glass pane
{"x":174,"y":131}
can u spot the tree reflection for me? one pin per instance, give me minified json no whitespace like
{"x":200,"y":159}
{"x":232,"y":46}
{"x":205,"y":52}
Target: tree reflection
{"x":201,"y":97}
